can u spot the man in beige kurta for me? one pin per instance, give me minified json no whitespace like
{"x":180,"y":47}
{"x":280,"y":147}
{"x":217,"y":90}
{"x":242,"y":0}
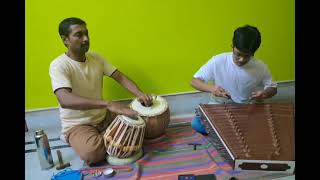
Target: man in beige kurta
{"x":77,"y":81}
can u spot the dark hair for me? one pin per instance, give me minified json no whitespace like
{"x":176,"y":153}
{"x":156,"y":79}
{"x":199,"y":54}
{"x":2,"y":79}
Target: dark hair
{"x":247,"y":39}
{"x":64,"y":26}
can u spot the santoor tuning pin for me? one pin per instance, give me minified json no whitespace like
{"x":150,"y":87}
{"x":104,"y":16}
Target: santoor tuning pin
{"x":246,"y":146}
{"x":247,"y":155}
{"x":272,"y":129}
{"x":244,"y":150}
{"x":238,"y":130}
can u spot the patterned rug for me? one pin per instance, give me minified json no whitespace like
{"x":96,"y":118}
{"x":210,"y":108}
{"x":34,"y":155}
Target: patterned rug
{"x":173,"y":156}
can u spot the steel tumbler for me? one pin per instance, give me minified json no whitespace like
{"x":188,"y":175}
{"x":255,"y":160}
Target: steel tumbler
{"x":43,"y":150}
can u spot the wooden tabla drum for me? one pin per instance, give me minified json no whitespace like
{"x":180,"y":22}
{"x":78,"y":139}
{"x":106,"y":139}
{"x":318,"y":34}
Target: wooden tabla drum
{"x":156,"y":116}
{"x":123,"y":139}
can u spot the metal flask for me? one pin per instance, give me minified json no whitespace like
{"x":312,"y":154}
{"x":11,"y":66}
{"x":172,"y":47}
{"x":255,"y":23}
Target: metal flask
{"x":43,"y":150}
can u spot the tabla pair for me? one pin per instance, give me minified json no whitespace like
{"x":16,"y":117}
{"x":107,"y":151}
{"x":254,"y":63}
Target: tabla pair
{"x":124,"y":136}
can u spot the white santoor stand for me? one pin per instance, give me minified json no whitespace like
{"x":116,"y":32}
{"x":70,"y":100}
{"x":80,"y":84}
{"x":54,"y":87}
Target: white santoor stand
{"x":113,"y":160}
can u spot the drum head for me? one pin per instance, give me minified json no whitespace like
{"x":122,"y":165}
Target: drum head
{"x":159,"y":105}
{"x":137,"y":122}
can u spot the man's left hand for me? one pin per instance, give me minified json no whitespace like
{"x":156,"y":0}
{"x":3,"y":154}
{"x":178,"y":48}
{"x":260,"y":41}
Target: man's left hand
{"x":146,"y":99}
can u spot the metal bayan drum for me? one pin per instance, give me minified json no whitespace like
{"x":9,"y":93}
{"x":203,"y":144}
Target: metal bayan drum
{"x":123,"y":139}
{"x":156,"y":116}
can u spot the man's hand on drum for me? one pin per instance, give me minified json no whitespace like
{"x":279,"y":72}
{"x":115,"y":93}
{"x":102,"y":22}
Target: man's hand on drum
{"x":146,"y":99}
{"x":122,"y":109}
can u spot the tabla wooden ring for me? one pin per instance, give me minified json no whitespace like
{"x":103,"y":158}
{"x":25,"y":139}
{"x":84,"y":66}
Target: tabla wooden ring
{"x":123,"y":139}
{"x":156,"y":116}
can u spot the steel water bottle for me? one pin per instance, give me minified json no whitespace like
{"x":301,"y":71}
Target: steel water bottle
{"x":43,"y":150}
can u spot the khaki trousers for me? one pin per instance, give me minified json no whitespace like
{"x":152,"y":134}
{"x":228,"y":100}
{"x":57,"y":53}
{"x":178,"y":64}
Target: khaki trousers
{"x":87,"y":140}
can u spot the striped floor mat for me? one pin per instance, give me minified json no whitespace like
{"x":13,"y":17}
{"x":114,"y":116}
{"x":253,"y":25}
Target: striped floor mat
{"x":173,"y":156}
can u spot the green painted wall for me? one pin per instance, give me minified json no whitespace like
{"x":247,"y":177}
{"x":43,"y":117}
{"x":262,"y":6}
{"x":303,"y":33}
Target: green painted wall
{"x":158,"y":43}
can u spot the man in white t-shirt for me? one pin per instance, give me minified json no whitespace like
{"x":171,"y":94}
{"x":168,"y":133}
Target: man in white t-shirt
{"x":237,"y":76}
{"x":77,"y":81}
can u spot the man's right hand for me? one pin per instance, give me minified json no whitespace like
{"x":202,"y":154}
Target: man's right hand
{"x":220,"y":92}
{"x":122,"y":109}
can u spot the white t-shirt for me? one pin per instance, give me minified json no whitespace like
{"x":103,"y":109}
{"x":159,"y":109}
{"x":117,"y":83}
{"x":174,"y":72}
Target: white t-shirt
{"x":240,"y":82}
{"x":86,"y":80}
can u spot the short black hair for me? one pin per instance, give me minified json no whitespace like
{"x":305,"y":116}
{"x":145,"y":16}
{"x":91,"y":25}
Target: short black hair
{"x":247,"y":39}
{"x":64,"y":26}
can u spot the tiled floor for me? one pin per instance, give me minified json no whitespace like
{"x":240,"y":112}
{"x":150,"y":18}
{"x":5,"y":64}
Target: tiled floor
{"x":181,"y":107}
